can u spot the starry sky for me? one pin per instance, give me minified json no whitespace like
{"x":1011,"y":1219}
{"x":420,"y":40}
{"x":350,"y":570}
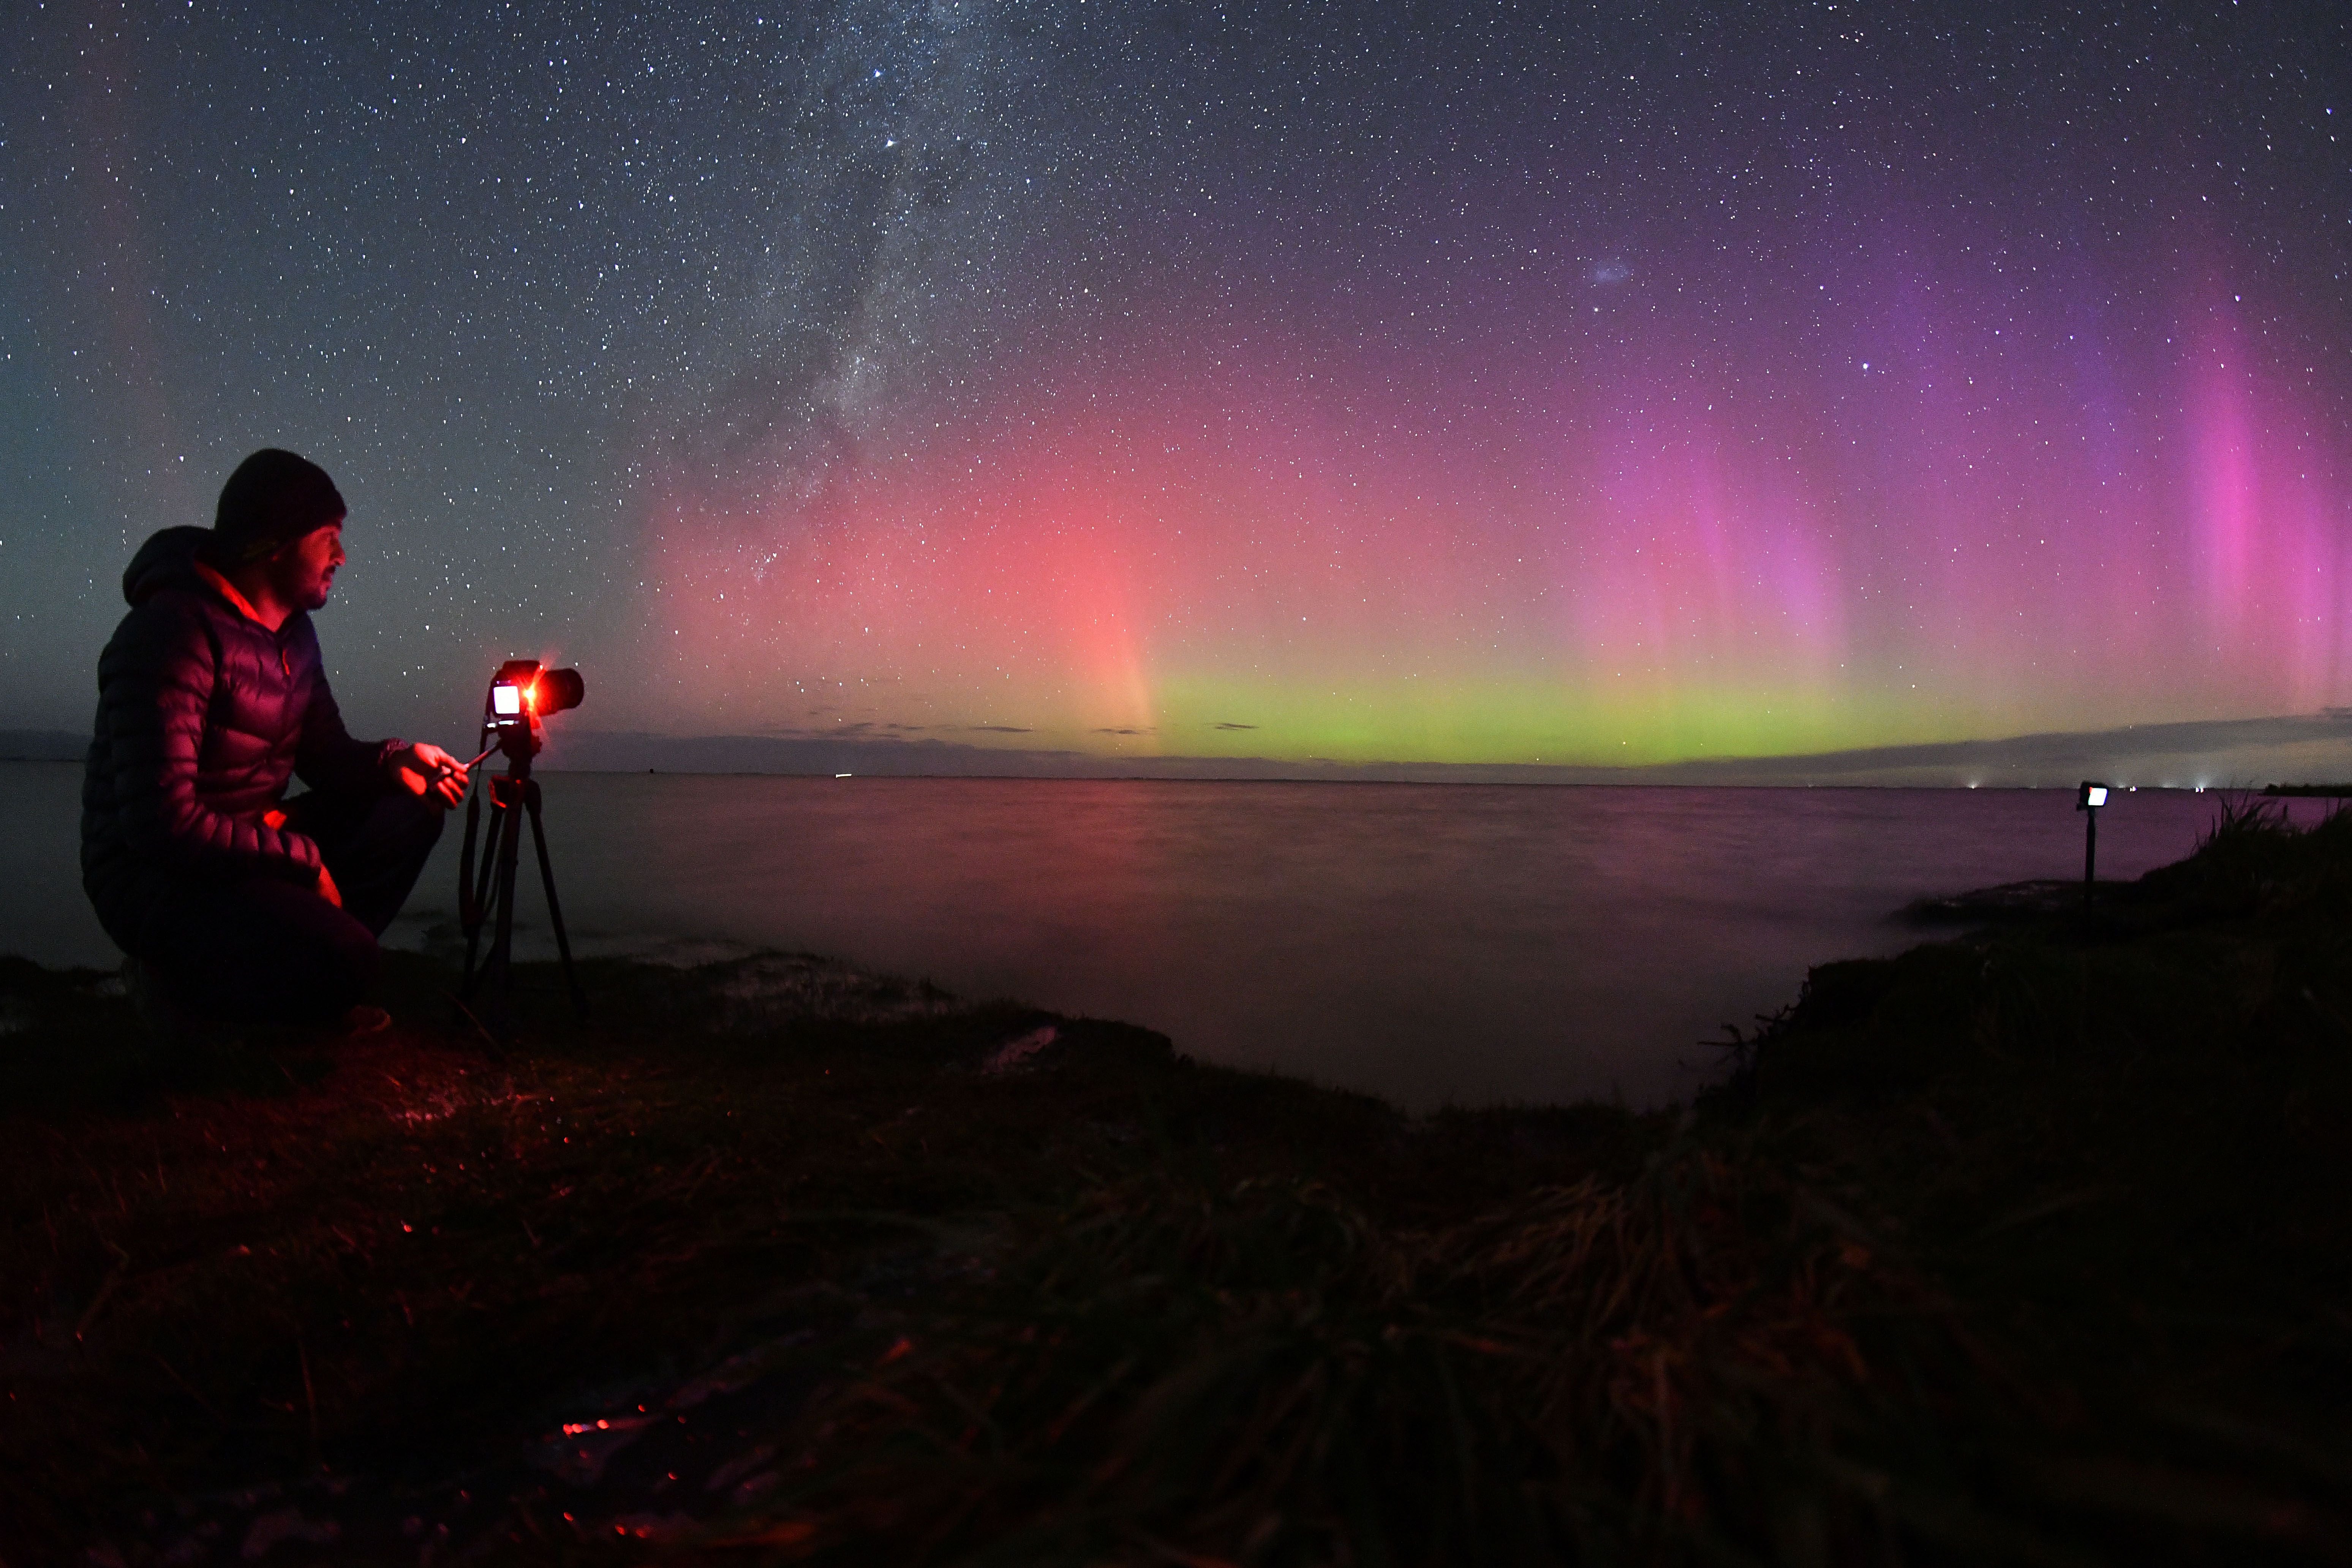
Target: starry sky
{"x":1449,"y":383}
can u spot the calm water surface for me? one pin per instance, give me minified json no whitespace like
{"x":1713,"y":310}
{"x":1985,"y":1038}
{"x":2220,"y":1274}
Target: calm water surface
{"x":1431,"y":943}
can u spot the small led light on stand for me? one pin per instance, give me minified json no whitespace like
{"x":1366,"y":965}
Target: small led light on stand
{"x":2088,"y":799}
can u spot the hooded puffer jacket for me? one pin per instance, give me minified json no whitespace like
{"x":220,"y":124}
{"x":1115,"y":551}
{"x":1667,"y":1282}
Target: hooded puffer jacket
{"x":203,"y":715}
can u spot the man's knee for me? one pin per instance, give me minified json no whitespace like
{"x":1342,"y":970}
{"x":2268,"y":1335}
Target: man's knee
{"x":399,"y":829}
{"x":377,"y":859}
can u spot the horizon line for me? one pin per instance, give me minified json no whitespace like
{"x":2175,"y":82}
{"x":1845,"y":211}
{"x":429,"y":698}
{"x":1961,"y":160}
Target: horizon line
{"x":2195,"y":751}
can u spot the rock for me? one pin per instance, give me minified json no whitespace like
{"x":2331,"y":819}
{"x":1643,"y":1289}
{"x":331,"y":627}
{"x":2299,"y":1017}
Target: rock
{"x":1993,"y":906}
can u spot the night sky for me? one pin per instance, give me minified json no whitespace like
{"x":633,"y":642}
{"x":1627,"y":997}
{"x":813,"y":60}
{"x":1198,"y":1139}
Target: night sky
{"x":1384,"y":381}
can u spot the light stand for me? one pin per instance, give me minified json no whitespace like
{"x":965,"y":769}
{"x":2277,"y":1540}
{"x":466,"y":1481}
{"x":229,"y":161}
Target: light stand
{"x":2088,"y":800}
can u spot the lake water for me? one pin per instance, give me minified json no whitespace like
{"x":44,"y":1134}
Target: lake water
{"x":1431,"y":943}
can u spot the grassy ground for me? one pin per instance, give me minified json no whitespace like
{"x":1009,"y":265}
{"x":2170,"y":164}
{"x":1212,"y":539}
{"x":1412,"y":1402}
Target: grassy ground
{"x":2028,"y":1246}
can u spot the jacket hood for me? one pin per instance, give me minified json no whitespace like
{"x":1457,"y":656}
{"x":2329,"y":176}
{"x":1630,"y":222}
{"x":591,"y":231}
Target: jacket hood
{"x":168,"y":560}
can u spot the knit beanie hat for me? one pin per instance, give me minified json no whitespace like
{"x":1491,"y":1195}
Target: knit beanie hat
{"x":273,"y":498}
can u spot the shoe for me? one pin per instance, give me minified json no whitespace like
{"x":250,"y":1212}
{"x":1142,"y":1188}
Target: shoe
{"x":151,"y":998}
{"x":364,"y":1021}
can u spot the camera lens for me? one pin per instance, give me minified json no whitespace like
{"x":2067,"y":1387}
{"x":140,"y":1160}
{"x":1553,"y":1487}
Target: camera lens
{"x":560,"y":690}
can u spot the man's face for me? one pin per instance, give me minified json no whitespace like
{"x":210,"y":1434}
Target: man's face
{"x":303,"y":572}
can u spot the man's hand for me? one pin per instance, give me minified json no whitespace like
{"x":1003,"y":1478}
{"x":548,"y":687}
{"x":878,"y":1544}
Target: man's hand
{"x":427,"y":770}
{"x":328,"y":890}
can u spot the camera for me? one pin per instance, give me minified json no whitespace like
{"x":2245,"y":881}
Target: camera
{"x":523,"y":693}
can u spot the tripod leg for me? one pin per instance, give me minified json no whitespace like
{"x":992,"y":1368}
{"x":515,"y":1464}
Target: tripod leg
{"x":490,"y":867}
{"x":502,"y":941}
{"x":473,"y":890}
{"x":465,"y":916}
{"x":554,"y":909}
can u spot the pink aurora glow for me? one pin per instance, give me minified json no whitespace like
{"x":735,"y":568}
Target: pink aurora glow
{"x":1920,"y":526}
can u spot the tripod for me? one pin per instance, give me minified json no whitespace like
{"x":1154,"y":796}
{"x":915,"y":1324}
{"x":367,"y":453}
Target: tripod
{"x":492,"y":891}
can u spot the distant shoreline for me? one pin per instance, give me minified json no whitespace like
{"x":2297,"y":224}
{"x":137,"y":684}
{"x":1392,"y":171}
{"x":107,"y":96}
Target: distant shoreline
{"x":2286,"y":750}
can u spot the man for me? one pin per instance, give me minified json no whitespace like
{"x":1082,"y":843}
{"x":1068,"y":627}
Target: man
{"x":230,"y":899}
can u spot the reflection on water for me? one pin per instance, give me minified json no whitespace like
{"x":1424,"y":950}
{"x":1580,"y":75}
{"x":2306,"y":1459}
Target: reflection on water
{"x":1426,"y":943}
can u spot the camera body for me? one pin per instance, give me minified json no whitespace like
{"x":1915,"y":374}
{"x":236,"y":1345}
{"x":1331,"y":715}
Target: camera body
{"x":521,"y":694}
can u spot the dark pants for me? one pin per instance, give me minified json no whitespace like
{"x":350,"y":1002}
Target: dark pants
{"x":267,"y":947}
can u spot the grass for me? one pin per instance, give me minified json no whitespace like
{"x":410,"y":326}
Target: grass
{"x":2034,"y":1246}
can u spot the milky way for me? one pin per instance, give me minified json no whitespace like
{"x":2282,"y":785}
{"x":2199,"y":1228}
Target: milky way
{"x":1378,"y":381}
